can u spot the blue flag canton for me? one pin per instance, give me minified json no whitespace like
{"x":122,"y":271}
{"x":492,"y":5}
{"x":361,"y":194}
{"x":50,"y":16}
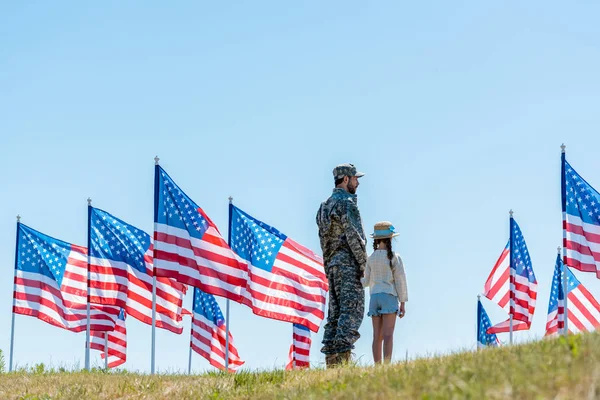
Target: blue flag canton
{"x":122,"y":314}
{"x":557,"y":291}
{"x":255,"y":241}
{"x":581,"y":198}
{"x":483,"y":325}
{"x":176,"y":209}
{"x":115,"y":240}
{"x":521,"y":261}
{"x":206,"y":305}
{"x":42,"y":254}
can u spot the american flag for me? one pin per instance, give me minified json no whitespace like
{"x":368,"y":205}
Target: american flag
{"x":523,"y":284}
{"x":484,"y":339}
{"x":583,"y":311}
{"x":117,"y":343}
{"x":209,"y":333}
{"x":189,"y":248}
{"x":299,"y":355}
{"x":497,"y":286}
{"x":581,"y":222}
{"x":121,"y":273}
{"x":51,"y":283}
{"x":287,"y":281}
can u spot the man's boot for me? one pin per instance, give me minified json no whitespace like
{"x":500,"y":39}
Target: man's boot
{"x":345,"y":357}
{"x":332,"y":360}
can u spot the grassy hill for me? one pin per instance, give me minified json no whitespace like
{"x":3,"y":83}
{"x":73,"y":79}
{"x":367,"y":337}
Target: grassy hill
{"x":557,"y":369}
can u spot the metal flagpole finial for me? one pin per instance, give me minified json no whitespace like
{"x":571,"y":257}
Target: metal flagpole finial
{"x":563,"y":148}
{"x":558,"y":249}
{"x":89,"y":201}
{"x":156,"y":159}
{"x":230,"y":199}
{"x":478,"y":297}
{"x":511,"y":213}
{"x":18,"y":218}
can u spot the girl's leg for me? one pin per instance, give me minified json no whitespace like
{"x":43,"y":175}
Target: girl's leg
{"x":387,"y":333}
{"x":377,"y":338}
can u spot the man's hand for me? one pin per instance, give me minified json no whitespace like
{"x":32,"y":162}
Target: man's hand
{"x":402,"y":311}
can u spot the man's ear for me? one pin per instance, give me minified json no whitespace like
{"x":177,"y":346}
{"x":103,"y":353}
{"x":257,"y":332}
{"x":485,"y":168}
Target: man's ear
{"x":346,"y":179}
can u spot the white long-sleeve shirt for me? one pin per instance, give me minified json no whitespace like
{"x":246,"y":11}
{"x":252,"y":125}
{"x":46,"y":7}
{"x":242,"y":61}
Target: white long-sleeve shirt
{"x":381,"y":278}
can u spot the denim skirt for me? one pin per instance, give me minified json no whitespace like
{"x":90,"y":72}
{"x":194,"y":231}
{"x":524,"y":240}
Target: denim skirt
{"x":382,"y":303}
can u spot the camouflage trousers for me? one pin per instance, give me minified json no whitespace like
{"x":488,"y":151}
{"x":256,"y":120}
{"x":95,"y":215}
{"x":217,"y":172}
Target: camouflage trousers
{"x":346,"y":308}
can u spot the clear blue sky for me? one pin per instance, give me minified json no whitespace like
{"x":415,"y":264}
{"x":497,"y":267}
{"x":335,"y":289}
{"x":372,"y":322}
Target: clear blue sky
{"x":455,"y":110}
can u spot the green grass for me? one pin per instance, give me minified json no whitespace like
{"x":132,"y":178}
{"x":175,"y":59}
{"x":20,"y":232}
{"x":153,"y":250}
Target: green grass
{"x":548,"y":369}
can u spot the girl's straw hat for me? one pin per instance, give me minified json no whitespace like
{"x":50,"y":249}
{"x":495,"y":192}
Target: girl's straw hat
{"x":384,"y":230}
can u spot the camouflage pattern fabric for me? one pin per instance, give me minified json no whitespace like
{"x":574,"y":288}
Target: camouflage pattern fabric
{"x":343,"y":244}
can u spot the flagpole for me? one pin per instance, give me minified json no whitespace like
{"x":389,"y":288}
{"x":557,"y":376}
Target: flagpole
{"x":565,"y":288}
{"x":105,"y":350}
{"x":12,"y":325}
{"x":293,"y":350}
{"x":227,"y":301}
{"x":512,"y":279}
{"x":190,"y":356}
{"x":563,"y":185}
{"x":478,"y":322}
{"x":87,"y":330}
{"x":153,"y":351}
{"x":191,"y":334}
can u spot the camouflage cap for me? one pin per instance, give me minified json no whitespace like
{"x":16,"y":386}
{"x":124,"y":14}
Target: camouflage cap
{"x":343,"y":170}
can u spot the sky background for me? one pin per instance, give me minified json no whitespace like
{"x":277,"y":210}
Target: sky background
{"x":455,"y":110}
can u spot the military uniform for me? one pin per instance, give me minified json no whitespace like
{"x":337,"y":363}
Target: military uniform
{"x":343,"y":244}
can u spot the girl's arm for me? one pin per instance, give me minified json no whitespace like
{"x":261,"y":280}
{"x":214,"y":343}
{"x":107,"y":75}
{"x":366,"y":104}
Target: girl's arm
{"x":367,"y":276}
{"x":400,"y":280}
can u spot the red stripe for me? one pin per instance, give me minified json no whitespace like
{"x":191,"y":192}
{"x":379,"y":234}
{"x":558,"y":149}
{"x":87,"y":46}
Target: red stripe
{"x":280,"y":271}
{"x":583,"y":310}
{"x":574,"y":321}
{"x":491,"y":292}
{"x":580,"y":266}
{"x":589,"y":297}
{"x":187,"y":244}
{"x":199,"y":325}
{"x":159,"y":324}
{"x":303,"y":339}
{"x":287,"y":289}
{"x":306,"y":267}
{"x":47,"y":302}
{"x":498,"y":285}
{"x":578,"y":230}
{"x":46,"y":318}
{"x":202,"y":270}
{"x":583,"y":249}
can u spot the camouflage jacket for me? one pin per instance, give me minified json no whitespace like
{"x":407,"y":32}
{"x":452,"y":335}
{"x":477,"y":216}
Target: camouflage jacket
{"x":340,"y":230}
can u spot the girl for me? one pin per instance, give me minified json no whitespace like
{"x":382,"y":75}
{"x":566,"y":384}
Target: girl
{"x":386,"y":279}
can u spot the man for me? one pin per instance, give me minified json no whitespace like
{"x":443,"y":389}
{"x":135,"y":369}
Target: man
{"x":343,"y":244}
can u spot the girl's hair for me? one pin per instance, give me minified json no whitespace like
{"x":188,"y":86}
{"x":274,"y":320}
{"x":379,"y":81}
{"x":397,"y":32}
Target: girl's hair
{"x":388,"y":244}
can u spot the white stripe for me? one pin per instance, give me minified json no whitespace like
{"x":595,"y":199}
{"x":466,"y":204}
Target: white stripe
{"x":299,"y":272}
{"x":583,"y":241}
{"x":502,"y":268}
{"x":276,"y":279}
{"x":142,"y":288}
{"x":579,"y":313}
{"x":302,"y":259}
{"x":189,"y":254}
{"x":574,"y":220}
{"x":584,"y":259}
{"x":206,"y":280}
{"x":36,"y":291}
